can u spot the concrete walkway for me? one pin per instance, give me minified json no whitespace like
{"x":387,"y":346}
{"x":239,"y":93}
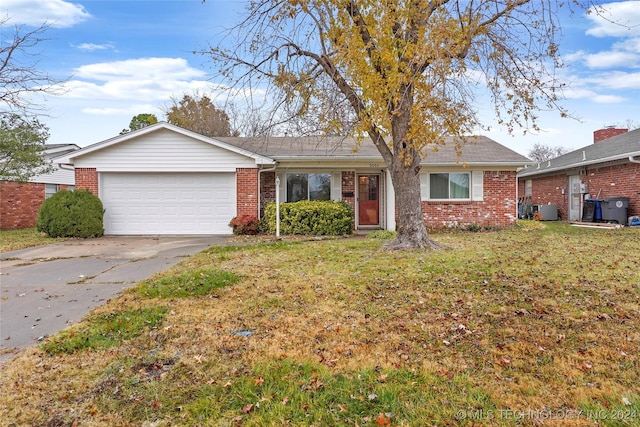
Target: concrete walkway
{"x":46,"y":288}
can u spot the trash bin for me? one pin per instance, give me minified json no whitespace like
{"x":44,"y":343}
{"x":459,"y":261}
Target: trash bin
{"x":614,"y":209}
{"x":592,"y":210}
{"x":588,"y":211}
{"x":597,"y":212}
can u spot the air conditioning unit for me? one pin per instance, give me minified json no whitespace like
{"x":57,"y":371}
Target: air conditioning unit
{"x":548,"y":212}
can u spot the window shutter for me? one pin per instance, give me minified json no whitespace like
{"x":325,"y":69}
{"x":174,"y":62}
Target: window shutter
{"x":336,"y":186}
{"x":424,"y":186}
{"x":477,"y":186}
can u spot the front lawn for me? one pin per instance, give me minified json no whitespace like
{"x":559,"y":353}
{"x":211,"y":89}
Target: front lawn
{"x":13,"y":240}
{"x":538,"y":324}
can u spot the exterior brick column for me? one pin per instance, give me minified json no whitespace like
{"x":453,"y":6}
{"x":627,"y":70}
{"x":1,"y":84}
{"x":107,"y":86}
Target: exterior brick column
{"x":87,"y":179}
{"x":247,"y":191}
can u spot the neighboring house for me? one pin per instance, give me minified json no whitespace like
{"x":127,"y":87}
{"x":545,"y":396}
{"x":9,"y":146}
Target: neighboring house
{"x":20,"y":201}
{"x":163,"y":179}
{"x":609,"y":168}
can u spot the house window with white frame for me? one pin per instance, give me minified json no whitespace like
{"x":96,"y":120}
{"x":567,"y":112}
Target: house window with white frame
{"x":528,"y":187}
{"x":308,"y":186}
{"x":50,"y":190}
{"x":450,"y":186}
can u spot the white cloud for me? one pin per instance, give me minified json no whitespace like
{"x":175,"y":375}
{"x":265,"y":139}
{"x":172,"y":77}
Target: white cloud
{"x":630,"y":45}
{"x":140,"y":69}
{"x":612,"y":59}
{"x":608,"y":99}
{"x":618,"y":80}
{"x":93,"y":47}
{"x":132,"y":109}
{"x":57,"y":13}
{"x":113,"y":88}
{"x":578,"y":92}
{"x":620,"y":19}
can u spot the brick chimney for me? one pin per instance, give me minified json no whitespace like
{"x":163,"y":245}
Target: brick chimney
{"x":606,"y":133}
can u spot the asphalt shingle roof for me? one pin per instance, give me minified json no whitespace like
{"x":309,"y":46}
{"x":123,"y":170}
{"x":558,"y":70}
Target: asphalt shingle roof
{"x":477,"y":150}
{"x":616,"y":148}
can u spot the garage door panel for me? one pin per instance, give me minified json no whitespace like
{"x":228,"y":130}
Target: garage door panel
{"x":171,"y":203}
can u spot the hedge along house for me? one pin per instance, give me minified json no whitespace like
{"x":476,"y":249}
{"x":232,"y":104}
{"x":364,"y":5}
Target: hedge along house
{"x":610,"y":167}
{"x":21,"y":201}
{"x":163,"y":179}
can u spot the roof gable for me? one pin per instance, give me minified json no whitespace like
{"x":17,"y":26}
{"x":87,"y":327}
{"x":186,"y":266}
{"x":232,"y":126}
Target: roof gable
{"x":151,"y":132}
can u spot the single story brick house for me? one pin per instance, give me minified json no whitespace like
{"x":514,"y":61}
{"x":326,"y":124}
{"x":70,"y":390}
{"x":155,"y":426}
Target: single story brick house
{"x":608,"y":168}
{"x":163,"y":179}
{"x":21,"y":201}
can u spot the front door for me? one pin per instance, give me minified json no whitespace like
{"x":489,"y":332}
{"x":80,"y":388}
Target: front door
{"x":369,"y":200}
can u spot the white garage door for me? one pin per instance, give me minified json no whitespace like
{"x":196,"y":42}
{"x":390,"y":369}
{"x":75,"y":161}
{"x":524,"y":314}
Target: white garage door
{"x":168,"y":203}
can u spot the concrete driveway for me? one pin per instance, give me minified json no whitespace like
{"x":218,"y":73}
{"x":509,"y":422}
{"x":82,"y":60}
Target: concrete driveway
{"x":46,"y":288}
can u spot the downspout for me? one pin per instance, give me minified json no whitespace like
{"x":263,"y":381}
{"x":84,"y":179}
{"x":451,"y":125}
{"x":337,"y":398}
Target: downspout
{"x":259,"y":193}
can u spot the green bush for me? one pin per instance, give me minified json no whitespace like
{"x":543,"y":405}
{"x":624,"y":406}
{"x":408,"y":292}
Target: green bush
{"x":317,"y":218}
{"x":71,"y":214}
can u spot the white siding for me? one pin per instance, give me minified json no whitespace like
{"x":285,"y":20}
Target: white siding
{"x":58,"y":176}
{"x":165,"y":151}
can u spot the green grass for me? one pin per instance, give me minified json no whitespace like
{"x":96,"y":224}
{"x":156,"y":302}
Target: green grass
{"x":187,"y":284}
{"x":105,"y":330}
{"x":536,"y":324}
{"x":13,"y":240}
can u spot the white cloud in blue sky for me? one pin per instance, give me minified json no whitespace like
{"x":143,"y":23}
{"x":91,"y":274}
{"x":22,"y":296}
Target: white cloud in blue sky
{"x":93,"y":46}
{"x":57,"y":13}
{"x":131,"y":57}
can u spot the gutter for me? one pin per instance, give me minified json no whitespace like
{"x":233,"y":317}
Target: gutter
{"x":632,"y":158}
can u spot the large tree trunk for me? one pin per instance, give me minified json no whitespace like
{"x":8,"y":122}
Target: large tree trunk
{"x":412,"y":233}
{"x":404,"y":166}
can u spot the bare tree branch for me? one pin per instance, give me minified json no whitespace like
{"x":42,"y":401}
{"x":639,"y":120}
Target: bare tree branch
{"x":19,"y":74}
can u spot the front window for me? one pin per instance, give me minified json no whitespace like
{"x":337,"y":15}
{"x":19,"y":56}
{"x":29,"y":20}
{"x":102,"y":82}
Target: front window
{"x":449,"y":185}
{"x":50,"y":190}
{"x":308,"y":186}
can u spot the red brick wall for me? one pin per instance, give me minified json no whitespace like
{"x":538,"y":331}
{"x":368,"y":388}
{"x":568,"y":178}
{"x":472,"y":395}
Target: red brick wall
{"x":19,"y":204}
{"x":267,"y":189}
{"x":87,"y":179}
{"x":616,"y":181}
{"x":247,"y":191}
{"x":349,"y":186}
{"x":610,"y":181}
{"x":548,"y":190}
{"x":497,"y":209}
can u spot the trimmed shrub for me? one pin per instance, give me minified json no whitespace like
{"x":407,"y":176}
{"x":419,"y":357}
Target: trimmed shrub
{"x":245,"y":224}
{"x":316,"y":218}
{"x":76,"y":213}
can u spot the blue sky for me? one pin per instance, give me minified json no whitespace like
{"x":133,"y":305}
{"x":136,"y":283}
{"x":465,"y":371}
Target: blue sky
{"x":127,"y":57}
